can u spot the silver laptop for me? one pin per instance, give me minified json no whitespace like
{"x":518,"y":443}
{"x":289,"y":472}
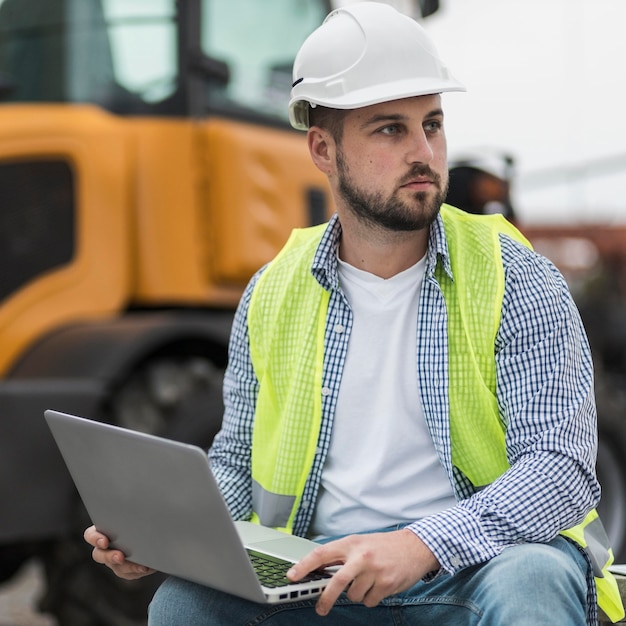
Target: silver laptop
{"x":157,"y":501}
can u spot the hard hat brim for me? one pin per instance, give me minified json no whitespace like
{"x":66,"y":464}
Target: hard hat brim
{"x":299,"y":106}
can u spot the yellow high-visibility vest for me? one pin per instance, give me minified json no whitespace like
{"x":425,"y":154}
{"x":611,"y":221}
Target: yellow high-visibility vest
{"x":286,"y":323}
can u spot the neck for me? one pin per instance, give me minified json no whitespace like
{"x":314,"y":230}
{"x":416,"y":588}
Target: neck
{"x":379,"y":251}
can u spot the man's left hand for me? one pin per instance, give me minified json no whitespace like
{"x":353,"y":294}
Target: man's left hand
{"x":373,"y":566}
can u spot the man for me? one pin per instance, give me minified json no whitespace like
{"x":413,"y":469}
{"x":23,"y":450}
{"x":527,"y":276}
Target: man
{"x":409,"y":384}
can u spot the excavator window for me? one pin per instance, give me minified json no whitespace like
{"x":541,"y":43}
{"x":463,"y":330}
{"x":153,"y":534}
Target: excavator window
{"x":139,"y":57}
{"x":258,"y":41}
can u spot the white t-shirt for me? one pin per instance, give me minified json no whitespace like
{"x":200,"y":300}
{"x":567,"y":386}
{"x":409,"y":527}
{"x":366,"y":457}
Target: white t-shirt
{"x":382,"y":468}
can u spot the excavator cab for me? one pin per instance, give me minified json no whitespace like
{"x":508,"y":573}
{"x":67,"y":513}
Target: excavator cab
{"x":154,"y":57}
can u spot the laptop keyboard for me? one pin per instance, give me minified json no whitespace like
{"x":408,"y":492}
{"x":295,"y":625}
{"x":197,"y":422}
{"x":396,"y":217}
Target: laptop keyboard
{"x":272,"y":570}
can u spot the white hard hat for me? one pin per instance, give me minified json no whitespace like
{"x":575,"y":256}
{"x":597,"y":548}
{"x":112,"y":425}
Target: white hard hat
{"x":363,"y":54}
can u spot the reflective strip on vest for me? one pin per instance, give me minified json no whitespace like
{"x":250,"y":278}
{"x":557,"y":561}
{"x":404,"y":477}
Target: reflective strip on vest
{"x":286,"y":323}
{"x":271,"y":509}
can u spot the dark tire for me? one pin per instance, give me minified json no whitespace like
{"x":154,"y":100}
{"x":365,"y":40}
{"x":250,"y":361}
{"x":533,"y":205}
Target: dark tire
{"x":13,"y":556}
{"x":178,"y":396}
{"x":81,"y":592}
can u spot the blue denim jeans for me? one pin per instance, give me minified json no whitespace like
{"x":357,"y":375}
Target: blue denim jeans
{"x":526,"y":585}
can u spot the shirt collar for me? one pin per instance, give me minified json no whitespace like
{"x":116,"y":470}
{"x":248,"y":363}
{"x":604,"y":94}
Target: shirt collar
{"x":438,"y":248}
{"x":324,"y":266}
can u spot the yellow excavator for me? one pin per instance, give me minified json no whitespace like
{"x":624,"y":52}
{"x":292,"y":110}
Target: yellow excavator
{"x":147,"y":169}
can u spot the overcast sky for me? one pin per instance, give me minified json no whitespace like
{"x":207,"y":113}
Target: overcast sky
{"x":546,"y":82}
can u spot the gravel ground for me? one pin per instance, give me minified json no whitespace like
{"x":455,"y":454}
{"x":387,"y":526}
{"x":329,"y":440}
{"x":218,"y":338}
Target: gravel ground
{"x":19,"y":596}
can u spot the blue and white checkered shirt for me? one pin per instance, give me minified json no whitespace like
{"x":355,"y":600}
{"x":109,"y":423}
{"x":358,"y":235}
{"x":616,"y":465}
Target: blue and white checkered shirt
{"x":544,"y":391}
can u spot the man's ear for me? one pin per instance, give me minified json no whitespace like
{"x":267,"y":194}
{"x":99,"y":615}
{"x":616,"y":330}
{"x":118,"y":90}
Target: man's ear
{"x":322,"y":149}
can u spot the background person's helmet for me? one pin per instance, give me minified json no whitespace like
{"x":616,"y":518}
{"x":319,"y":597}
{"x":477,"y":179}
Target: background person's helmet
{"x":364,"y":54}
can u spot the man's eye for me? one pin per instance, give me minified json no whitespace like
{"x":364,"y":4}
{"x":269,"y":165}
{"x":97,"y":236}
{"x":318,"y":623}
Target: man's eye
{"x":433,"y":127}
{"x":389,"y":130}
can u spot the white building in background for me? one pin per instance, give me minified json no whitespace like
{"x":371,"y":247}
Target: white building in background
{"x":545,"y":84}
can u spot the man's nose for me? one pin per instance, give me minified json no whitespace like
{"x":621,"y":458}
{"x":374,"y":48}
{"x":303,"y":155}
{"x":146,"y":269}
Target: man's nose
{"x":419,"y":150}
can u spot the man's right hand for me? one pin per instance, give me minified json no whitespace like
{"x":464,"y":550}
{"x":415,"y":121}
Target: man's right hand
{"x":114,"y":559}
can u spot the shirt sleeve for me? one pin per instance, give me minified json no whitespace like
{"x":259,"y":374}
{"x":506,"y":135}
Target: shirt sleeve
{"x":230,"y":454}
{"x":546,"y":398}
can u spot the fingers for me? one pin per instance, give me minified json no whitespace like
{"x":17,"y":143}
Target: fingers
{"x":121,"y":566}
{"x":94,"y":538}
{"x":360,"y":587}
{"x":114,"y":559}
{"x":374,"y":566}
{"x":319,"y":558}
{"x":324,"y":556}
{"x":343,"y":579}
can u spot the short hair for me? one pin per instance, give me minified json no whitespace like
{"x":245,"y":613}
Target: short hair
{"x":328,"y":119}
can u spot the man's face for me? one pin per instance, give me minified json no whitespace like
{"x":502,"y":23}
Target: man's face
{"x":392,"y":165}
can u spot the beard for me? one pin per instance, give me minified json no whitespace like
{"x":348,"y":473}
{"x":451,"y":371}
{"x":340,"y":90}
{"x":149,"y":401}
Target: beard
{"x":391,"y":212}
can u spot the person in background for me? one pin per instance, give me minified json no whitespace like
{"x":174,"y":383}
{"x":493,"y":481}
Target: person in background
{"x":408,"y":384}
{"x":482,"y":185}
